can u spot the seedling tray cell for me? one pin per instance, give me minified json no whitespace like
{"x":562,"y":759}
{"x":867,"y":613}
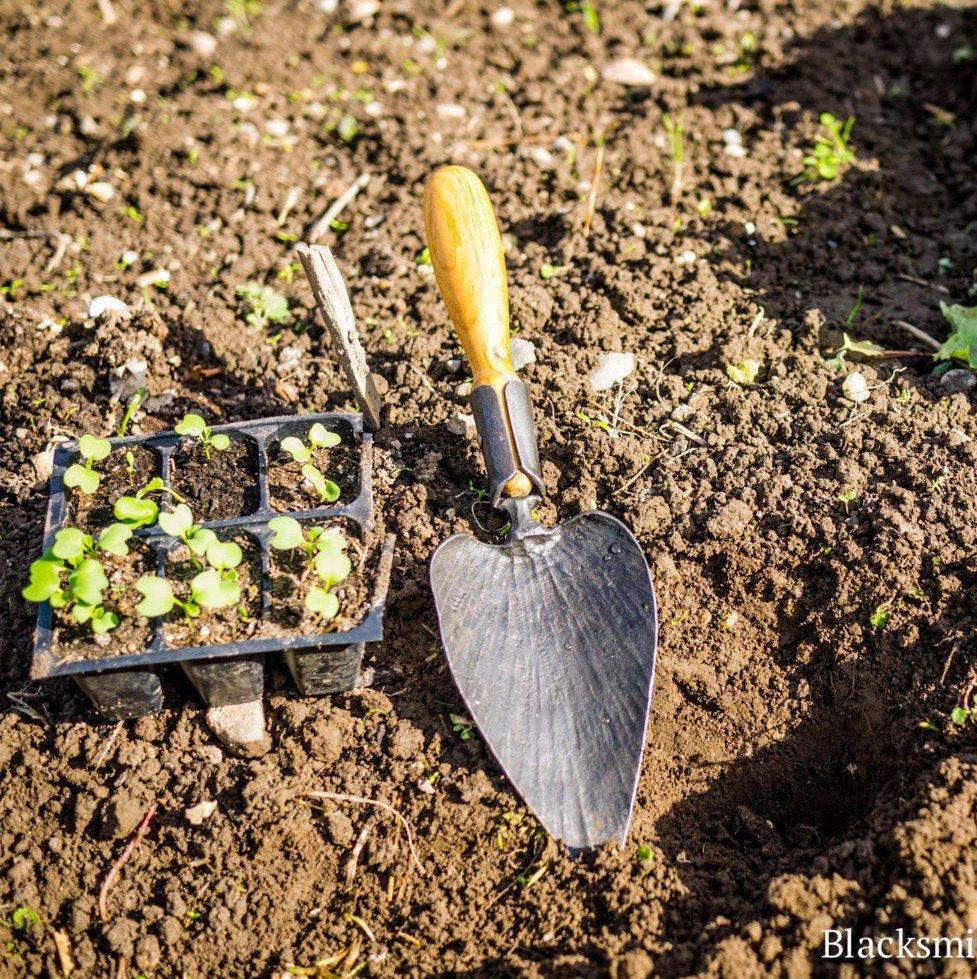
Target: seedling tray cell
{"x":127,"y":684}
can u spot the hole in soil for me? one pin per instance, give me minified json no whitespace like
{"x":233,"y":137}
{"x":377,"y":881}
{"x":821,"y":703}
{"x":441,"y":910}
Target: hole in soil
{"x":289,"y":491}
{"x":233,"y":623}
{"x":72,"y":641}
{"x":292,"y":574}
{"x":222,"y":486}
{"x":122,"y":473}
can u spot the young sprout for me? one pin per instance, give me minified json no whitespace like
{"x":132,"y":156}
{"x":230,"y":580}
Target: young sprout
{"x":214,"y":588}
{"x":265,"y":305}
{"x":71,"y":577}
{"x":83,"y":476}
{"x":137,"y":511}
{"x":319,"y":438}
{"x":195,"y":427}
{"x":326,"y":489}
{"x":179,"y":523}
{"x":831,"y":151}
{"x":324,"y":548}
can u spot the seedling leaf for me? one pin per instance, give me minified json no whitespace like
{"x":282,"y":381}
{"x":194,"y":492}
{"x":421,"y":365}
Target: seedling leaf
{"x":322,"y":603}
{"x":296,"y":448}
{"x":961,"y":344}
{"x":77,"y":475}
{"x":220,"y":441}
{"x":328,"y":491}
{"x":332,"y":567}
{"x":157,"y":595}
{"x":88,"y":581}
{"x":135,"y":512}
{"x":322,"y":438}
{"x":115,"y":539}
{"x":93,"y":449}
{"x":23,"y":918}
{"x":864,"y":347}
{"x":212,"y":590}
{"x":959,"y":715}
{"x":103,"y":621}
{"x":224,"y":555}
{"x":287,"y":533}
{"x":45,"y":580}
{"x":200,"y":540}
{"x":192,"y":425}
{"x":177,"y":522}
{"x":743,"y":373}
{"x":70,"y":544}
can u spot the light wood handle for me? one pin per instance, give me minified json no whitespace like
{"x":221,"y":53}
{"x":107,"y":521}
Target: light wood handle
{"x":469,"y":263}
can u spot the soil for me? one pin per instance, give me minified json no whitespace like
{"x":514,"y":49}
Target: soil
{"x":220,"y":487}
{"x":215,"y":626}
{"x":288,"y":490}
{"x":802,"y":770}
{"x":291,"y":577}
{"x":119,"y":477}
{"x":71,"y":641}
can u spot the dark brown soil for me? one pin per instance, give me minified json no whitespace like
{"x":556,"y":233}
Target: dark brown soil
{"x":802,"y":770}
{"x":288,"y":489}
{"x":215,"y":626}
{"x":291,"y":576}
{"x":72,"y":641}
{"x":119,"y":477}
{"x":222,"y":486}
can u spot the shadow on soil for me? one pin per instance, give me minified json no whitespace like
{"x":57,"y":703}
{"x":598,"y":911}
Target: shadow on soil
{"x":776,"y":811}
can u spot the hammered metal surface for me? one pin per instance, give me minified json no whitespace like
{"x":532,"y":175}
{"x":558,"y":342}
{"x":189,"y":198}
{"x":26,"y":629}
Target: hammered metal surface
{"x":551,"y":641}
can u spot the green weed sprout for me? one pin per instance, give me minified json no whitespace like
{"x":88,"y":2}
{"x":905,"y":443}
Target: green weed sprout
{"x":138,"y":511}
{"x":179,"y":523}
{"x":215,"y":587}
{"x":324,"y":548}
{"x":83,"y":475}
{"x":831,"y":151}
{"x":961,"y":344}
{"x":70,"y":576}
{"x":265,"y":305}
{"x":195,"y":427}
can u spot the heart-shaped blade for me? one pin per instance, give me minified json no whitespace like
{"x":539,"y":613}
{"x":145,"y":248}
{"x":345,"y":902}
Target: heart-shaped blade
{"x":551,"y":640}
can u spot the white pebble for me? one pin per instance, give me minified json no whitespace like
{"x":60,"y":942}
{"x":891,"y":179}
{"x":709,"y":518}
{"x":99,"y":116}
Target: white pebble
{"x":686,"y":258}
{"x":137,"y":96}
{"x":276,"y":128}
{"x":101,"y":190}
{"x":203,"y":44}
{"x":628,"y":71}
{"x":105,"y":304}
{"x":198,"y":814}
{"x":363,"y":10}
{"x":523,"y":353}
{"x":503,"y":17}
{"x":610,"y":369}
{"x":243,"y":103}
{"x":855,"y":388}
{"x":448,"y":110}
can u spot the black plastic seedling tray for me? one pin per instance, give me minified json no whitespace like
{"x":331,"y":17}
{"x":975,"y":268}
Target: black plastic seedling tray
{"x":129,"y":685}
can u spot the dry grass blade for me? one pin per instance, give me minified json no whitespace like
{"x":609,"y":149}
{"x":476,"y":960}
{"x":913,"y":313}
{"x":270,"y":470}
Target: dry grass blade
{"x":321,"y":226}
{"x":62,"y":944}
{"x":592,"y":196}
{"x":113,"y":873}
{"x":386,"y":807}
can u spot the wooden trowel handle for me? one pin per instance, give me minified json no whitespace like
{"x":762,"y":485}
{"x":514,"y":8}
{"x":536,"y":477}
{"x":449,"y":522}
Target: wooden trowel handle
{"x":466,"y":252}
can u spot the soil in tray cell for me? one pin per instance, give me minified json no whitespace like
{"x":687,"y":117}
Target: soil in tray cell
{"x":222,"y":486}
{"x":290,"y":491}
{"x":122,"y":473}
{"x":72,"y":642}
{"x":292,"y":574}
{"x":214,"y":627}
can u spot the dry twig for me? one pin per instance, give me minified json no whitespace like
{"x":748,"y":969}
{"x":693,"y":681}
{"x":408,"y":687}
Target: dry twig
{"x":354,"y":855}
{"x":918,"y":334}
{"x":592,"y":196}
{"x":115,"y":869}
{"x":321,"y":226}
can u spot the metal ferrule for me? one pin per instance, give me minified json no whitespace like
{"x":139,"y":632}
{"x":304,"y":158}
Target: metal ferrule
{"x":502,"y":459}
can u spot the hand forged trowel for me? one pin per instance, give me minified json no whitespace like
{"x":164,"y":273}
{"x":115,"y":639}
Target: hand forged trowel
{"x":551,"y":636}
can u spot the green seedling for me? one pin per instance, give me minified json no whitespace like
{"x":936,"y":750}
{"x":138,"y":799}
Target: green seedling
{"x":830,"y":152}
{"x":195,"y":427}
{"x":879,"y":618}
{"x":179,"y":523}
{"x":138,"y":511}
{"x":83,"y":474}
{"x":326,"y":489}
{"x":265,"y":305}
{"x":131,"y":408}
{"x":24,"y":918}
{"x":463,"y":726}
{"x":961,"y":344}
{"x":960,"y":715}
{"x":215,"y":587}
{"x":324,"y":549}
{"x":71,"y":577}
{"x":547,"y":271}
{"x":319,"y":438}
{"x":743,"y":373}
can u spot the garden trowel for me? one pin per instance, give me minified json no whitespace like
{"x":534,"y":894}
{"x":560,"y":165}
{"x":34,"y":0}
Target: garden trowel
{"x":550,"y":636}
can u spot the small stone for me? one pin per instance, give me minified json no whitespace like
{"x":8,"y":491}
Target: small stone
{"x":629,"y":71}
{"x":611,"y":368}
{"x":957,"y":381}
{"x":241,"y":728}
{"x":449,"y":110}
{"x":203,"y":44}
{"x":157,"y":277}
{"x":503,"y":17}
{"x":105,"y":304}
{"x":101,"y":190}
{"x":43,"y":463}
{"x":363,"y":10}
{"x":461,"y":424}
{"x":340,"y":828}
{"x":464,"y":389}
{"x":276,"y":128}
{"x":855,"y":388}
{"x":197,"y":815}
{"x":523,"y":353}
{"x":211,"y":754}
{"x":682,"y":413}
{"x":407,"y":741}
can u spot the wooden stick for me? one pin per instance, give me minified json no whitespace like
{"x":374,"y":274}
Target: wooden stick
{"x":332,"y":299}
{"x":113,"y":873}
{"x":918,"y":334}
{"x":321,"y":226}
